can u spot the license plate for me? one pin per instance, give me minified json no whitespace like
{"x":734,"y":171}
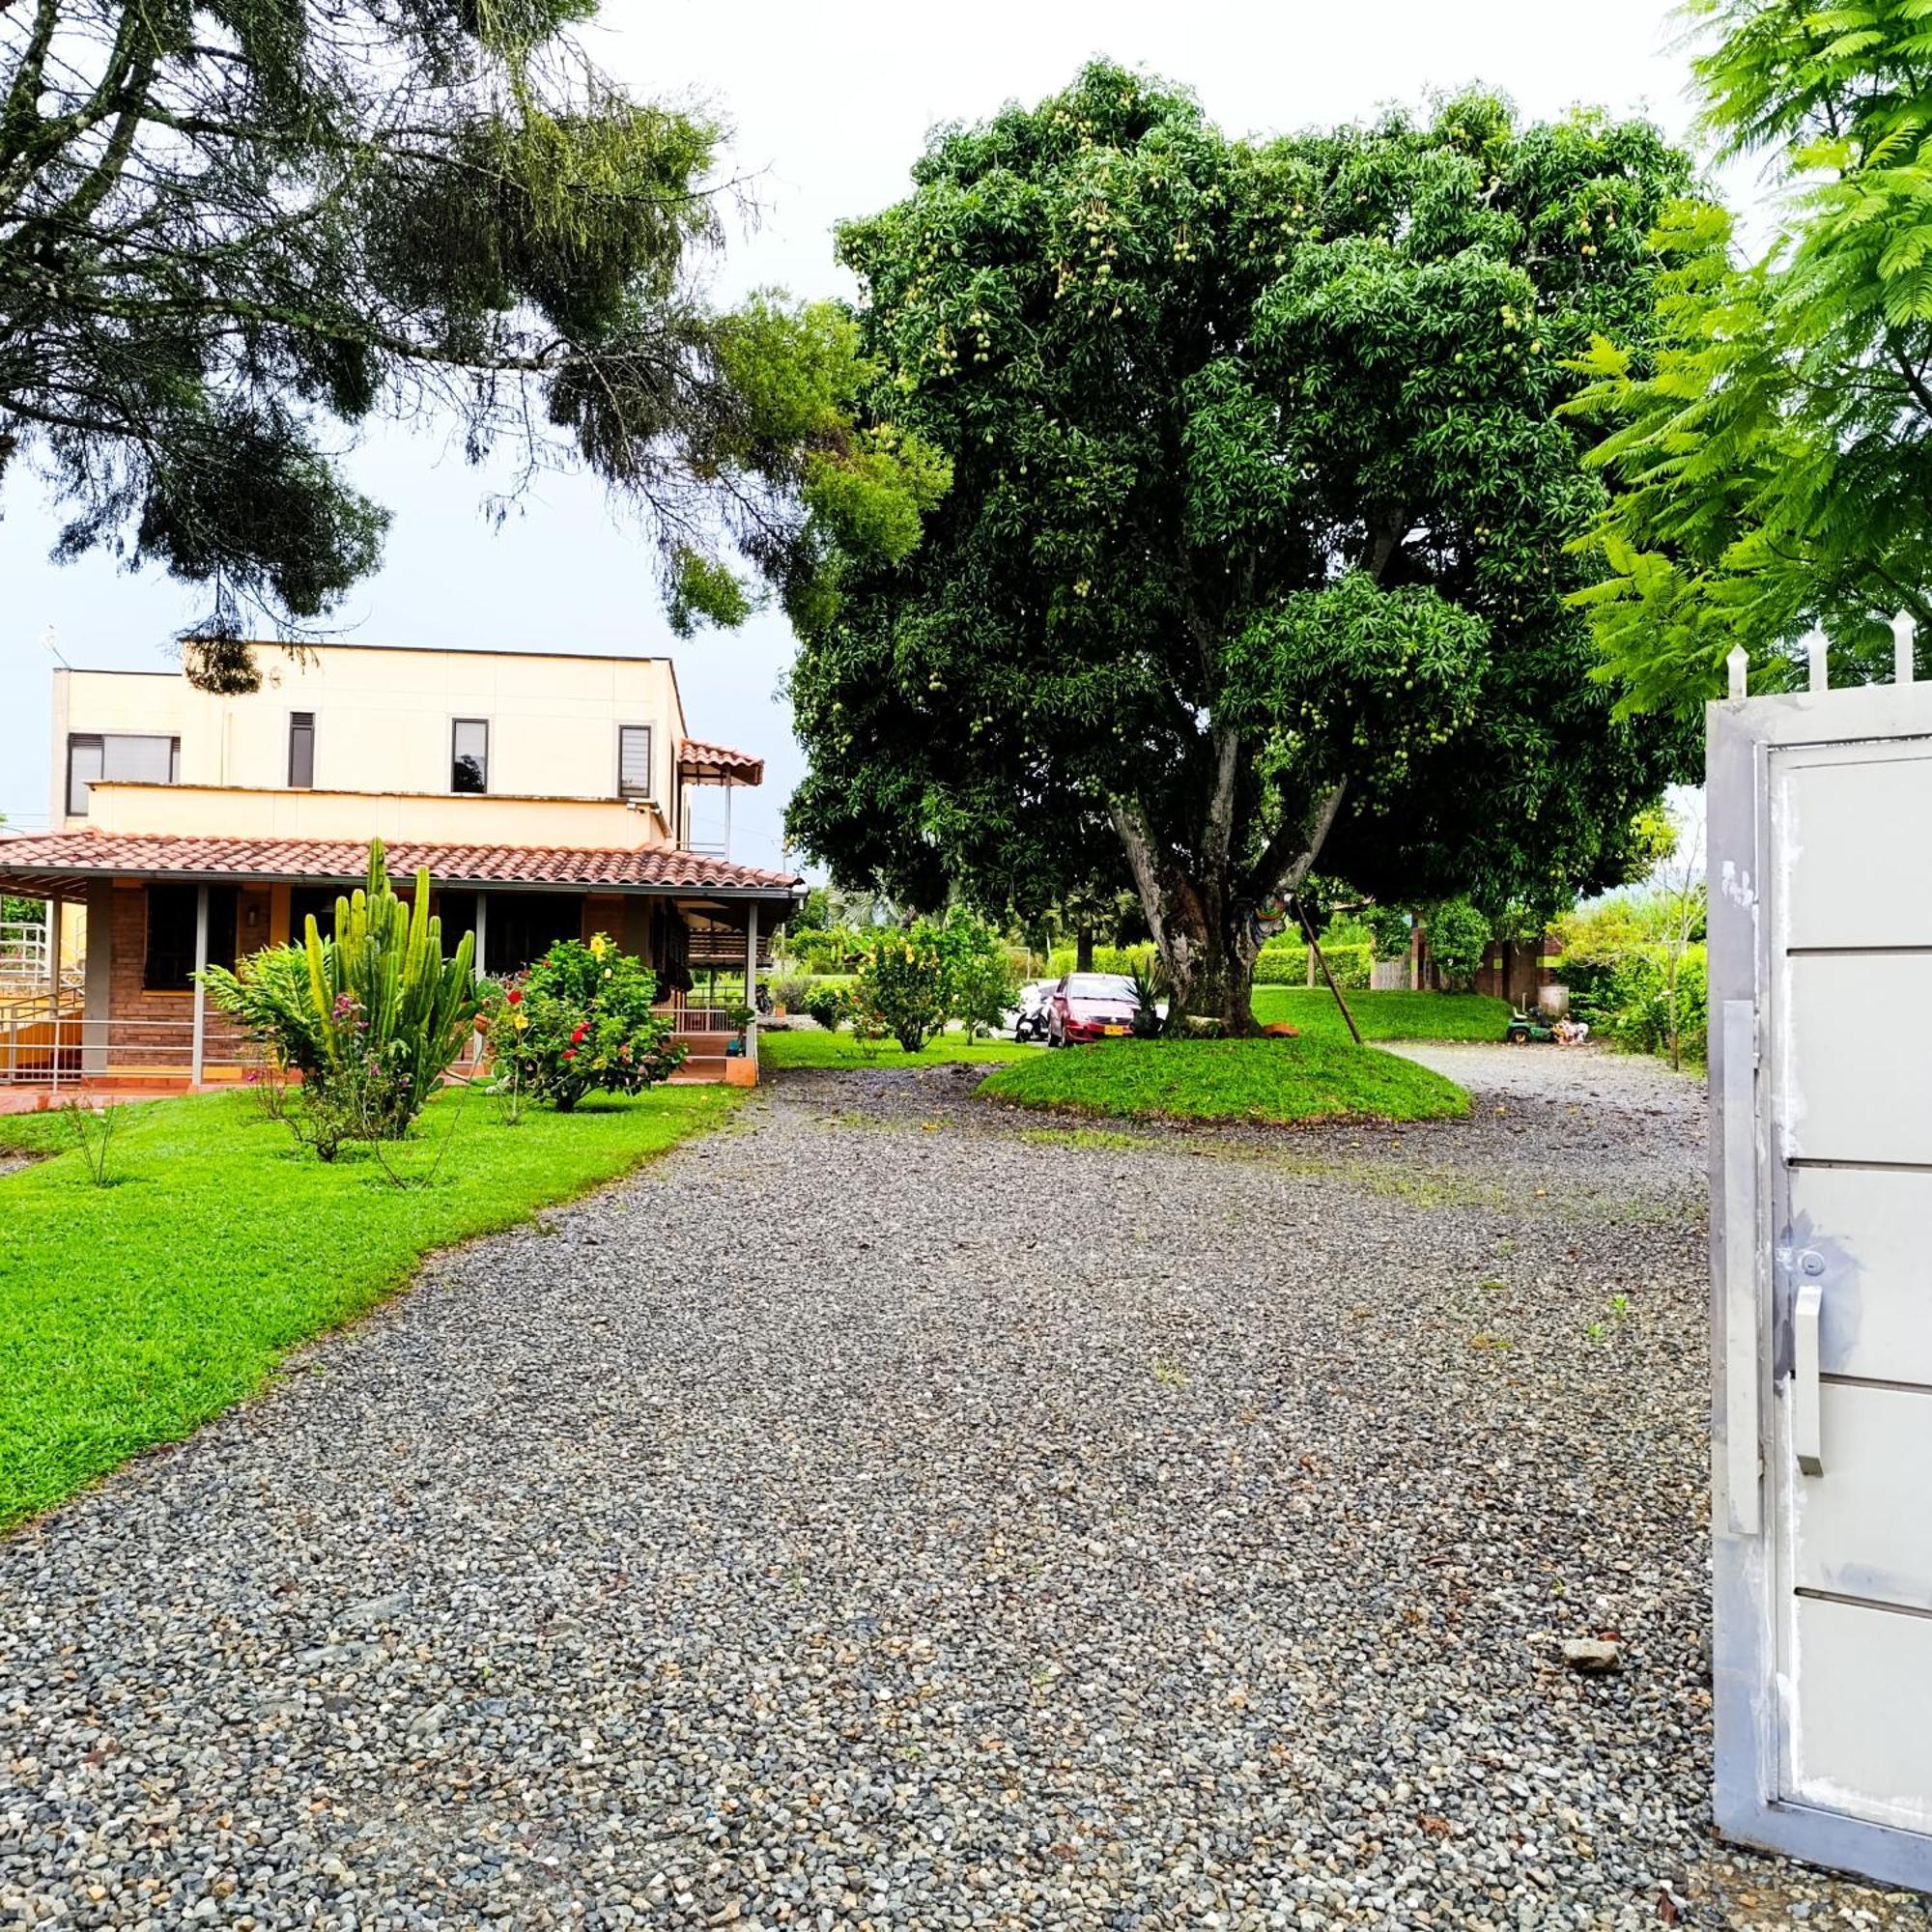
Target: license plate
{"x":1113,"y":1030}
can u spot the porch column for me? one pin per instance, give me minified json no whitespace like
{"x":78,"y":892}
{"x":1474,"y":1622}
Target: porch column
{"x":195,"y":1054}
{"x":751,"y":980}
{"x":53,"y":985}
{"x":476,"y":964}
{"x":97,"y":1004}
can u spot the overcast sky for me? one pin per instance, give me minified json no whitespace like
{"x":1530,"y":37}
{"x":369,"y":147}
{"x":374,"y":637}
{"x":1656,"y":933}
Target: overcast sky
{"x":828,"y":109}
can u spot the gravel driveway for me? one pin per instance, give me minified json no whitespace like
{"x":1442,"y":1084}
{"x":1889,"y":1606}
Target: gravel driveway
{"x":893,"y":1511}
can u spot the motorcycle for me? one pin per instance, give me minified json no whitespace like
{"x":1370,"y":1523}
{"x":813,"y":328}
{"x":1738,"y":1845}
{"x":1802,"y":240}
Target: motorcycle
{"x":1031,"y":1023}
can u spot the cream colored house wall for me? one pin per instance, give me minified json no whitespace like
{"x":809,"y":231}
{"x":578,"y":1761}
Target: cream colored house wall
{"x":383,"y":724}
{"x":191,"y":812}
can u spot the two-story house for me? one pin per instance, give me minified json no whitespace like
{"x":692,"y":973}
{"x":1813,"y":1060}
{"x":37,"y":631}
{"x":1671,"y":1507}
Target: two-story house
{"x":548,"y":795}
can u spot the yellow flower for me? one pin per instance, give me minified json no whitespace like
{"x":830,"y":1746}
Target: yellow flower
{"x":522,"y":1022}
{"x":599,"y":947}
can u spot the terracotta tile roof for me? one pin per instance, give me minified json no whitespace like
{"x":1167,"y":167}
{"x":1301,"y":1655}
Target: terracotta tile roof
{"x":698,"y":760}
{"x":38,"y":860}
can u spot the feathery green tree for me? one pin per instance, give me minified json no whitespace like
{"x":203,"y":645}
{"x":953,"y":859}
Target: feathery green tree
{"x":232,"y":232}
{"x":1769,"y":438}
{"x":1255,"y":549}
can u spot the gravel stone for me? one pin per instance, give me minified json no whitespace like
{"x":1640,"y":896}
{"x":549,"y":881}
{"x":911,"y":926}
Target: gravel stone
{"x":901,"y":1512}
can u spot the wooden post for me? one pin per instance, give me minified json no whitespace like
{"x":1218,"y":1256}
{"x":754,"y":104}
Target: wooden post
{"x":1315,"y":948}
{"x":752,"y":978}
{"x":200,"y":1039}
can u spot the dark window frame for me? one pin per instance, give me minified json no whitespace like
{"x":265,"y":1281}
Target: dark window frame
{"x":75,"y":739}
{"x":648,"y":793}
{"x":457,"y":760}
{"x":301,"y":725}
{"x":170,"y":968}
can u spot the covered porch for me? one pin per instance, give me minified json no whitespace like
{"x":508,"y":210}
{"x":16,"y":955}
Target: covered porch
{"x":157,"y":909}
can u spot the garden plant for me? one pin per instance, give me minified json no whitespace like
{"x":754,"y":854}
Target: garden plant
{"x":580,"y":1021}
{"x":369,"y":1019}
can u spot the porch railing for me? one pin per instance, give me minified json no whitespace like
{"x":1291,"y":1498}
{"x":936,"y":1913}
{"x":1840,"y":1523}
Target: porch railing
{"x":45,"y":1046}
{"x":24,"y":952}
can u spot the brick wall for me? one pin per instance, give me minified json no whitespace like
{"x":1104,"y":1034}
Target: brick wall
{"x":154,"y":1029}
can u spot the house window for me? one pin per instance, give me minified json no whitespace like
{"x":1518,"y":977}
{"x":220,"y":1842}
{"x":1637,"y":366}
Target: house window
{"x":634,"y":761}
{"x":525,"y":925}
{"x":469,"y":755}
{"x":117,"y":757}
{"x":169,"y":967}
{"x":302,"y":750}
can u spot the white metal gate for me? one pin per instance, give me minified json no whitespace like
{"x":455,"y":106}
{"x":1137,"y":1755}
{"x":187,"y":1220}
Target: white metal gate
{"x":1820,"y":813}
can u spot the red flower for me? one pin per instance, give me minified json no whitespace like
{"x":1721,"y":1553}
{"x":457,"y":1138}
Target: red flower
{"x":516,"y":996}
{"x":576,"y":1039}
{"x":570,"y":1053}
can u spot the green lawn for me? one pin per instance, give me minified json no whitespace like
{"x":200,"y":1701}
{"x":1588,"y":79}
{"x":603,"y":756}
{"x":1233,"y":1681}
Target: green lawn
{"x":1385,"y":1016}
{"x":1270,"y":1080}
{"x":782,"y":1049}
{"x":133,"y":1312}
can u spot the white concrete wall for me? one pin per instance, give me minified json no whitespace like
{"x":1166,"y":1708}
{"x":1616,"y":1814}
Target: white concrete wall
{"x":383,"y":720}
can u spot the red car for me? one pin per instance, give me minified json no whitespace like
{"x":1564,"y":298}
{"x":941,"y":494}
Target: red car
{"x":1090,"y":1006}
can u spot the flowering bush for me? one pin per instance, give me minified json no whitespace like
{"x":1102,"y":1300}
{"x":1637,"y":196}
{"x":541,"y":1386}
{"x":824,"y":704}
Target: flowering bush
{"x":903,"y":985}
{"x":580,"y":1021}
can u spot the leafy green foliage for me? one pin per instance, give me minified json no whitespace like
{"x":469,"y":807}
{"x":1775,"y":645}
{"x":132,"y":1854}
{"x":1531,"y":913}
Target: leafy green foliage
{"x":1146,"y":981}
{"x":371,"y":1019}
{"x":904,"y":985}
{"x":226,"y":244}
{"x":1457,"y":933}
{"x":1637,"y":969}
{"x":131,"y":1314}
{"x":1769,"y":436}
{"x":828,"y":1005}
{"x":580,"y":1021}
{"x":1257,"y":518}
{"x":1274,"y":1081}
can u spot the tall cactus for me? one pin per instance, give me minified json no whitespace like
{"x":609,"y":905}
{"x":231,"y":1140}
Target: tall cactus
{"x":382,"y":991}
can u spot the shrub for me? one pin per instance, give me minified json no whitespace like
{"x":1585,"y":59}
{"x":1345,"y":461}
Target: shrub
{"x":1282,"y":962}
{"x":827,"y":1004}
{"x":580,"y":1021}
{"x":371,"y":1019}
{"x":1459,"y":936}
{"x":1629,"y":1001}
{"x":1147,"y":1002}
{"x":790,"y":990}
{"x":978,"y":974}
{"x":1636,"y":972}
{"x":903,"y":984}
{"x":1061,"y":961}
{"x":1351,"y":963}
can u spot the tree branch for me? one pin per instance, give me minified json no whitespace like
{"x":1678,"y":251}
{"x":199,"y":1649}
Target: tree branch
{"x":1290,"y":854}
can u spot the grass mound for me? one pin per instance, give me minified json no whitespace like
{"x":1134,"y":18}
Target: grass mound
{"x":1465,"y":1016}
{"x":131,"y":1314}
{"x":1277,"y":1081}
